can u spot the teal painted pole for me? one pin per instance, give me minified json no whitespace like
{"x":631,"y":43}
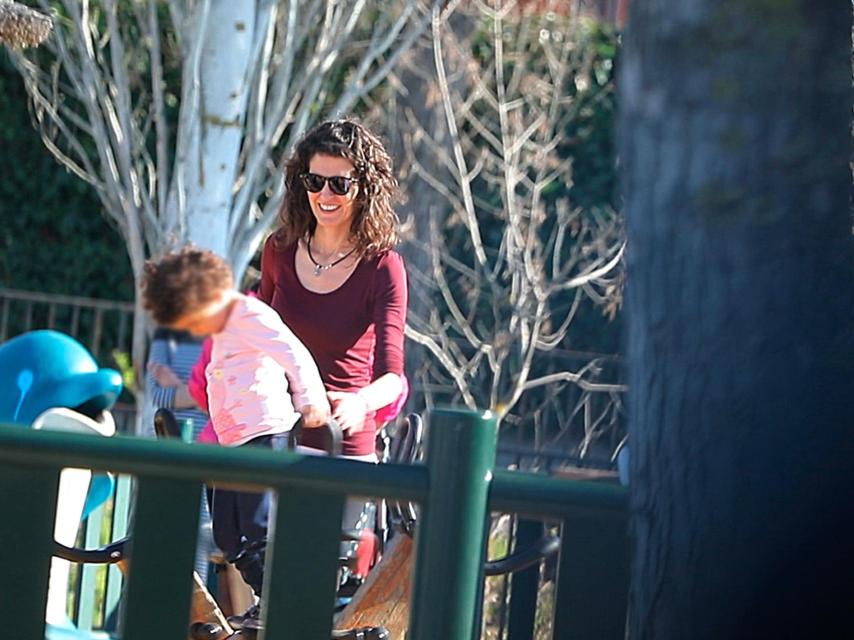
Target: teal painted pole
{"x":449,"y":539}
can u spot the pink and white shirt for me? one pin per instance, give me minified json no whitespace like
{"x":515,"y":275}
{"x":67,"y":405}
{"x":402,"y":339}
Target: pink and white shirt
{"x":260,"y":375}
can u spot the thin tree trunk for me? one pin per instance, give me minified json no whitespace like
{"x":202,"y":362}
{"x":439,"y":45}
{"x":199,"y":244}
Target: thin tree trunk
{"x":735,"y":149}
{"x":210,"y":166}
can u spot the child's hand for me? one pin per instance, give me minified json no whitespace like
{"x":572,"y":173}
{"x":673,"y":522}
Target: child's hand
{"x":314,"y":416}
{"x":163,"y":375}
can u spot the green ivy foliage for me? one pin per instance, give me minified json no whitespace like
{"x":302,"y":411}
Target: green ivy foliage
{"x":590,"y":134}
{"x":591,"y":146}
{"x":54,"y":237}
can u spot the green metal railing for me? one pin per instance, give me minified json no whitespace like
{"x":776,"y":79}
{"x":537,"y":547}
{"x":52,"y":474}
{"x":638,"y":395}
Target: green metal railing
{"x":455,"y":489}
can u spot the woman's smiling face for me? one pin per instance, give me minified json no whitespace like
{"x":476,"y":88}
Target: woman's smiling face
{"x":331,"y":210}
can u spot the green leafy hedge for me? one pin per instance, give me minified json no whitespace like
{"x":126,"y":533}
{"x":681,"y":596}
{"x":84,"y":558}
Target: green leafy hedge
{"x":53,"y":235}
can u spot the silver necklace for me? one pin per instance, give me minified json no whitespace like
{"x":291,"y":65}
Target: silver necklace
{"x":320,"y":268}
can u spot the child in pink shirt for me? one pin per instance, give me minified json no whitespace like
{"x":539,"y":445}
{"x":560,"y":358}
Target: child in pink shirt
{"x":197,"y":387}
{"x":260,"y":380}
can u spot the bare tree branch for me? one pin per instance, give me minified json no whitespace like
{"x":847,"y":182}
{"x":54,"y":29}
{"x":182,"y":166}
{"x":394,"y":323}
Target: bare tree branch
{"x":511,"y":260}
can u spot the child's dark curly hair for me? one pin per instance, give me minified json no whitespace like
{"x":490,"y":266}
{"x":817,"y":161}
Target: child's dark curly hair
{"x":375,"y":223}
{"x":181,"y":283}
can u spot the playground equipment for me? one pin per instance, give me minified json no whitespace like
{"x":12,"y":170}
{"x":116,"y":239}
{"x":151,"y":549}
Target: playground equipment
{"x":57,"y":385}
{"x":455,"y":489}
{"x":207,"y":621}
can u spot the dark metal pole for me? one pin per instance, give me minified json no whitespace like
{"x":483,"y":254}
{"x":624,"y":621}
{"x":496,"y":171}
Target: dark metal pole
{"x":524,"y":585}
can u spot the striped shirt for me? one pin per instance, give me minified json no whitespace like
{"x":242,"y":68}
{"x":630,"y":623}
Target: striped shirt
{"x":179,"y":351}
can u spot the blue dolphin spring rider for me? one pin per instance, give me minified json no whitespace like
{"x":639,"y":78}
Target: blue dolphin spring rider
{"x":50,"y":381}
{"x":44,"y":370}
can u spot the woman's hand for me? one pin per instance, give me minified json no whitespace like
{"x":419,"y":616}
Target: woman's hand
{"x":314,"y":416}
{"x":348,"y":409}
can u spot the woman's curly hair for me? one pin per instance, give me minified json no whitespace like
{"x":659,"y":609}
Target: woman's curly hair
{"x":183,"y":282}
{"x":375,"y":223}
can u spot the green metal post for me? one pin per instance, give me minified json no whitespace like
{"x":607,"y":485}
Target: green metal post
{"x":28,"y":504}
{"x":302,"y":560}
{"x":162,"y":554}
{"x":448,"y":569}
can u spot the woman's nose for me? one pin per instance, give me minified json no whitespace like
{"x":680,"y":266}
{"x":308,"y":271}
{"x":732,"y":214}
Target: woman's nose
{"x":327,"y":190}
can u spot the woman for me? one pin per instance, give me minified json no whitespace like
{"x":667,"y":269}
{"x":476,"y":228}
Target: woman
{"x":332,"y":274}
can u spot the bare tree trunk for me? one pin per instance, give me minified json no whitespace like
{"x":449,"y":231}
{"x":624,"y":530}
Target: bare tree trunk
{"x":735,"y":148}
{"x":208,"y":162}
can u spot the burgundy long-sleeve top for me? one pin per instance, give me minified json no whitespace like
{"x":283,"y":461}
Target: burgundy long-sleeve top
{"x":354,"y":333}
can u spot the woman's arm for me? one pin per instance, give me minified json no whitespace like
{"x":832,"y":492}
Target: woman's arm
{"x":389,"y":315}
{"x":381,"y":392}
{"x":391,"y":300}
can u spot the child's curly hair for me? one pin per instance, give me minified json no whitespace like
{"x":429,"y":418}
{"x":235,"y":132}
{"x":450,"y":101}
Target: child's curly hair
{"x":183,"y":282}
{"x":375,"y":223}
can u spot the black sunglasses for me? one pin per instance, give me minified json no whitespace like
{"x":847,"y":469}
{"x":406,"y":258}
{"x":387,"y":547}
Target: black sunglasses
{"x":339,"y":185}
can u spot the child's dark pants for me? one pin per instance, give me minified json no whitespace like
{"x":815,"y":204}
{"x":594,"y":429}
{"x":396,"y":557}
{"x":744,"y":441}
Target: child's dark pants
{"x":240,"y":520}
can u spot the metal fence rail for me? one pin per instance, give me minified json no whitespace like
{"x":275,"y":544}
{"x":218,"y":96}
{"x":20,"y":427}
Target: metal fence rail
{"x":456,"y":489}
{"x":101,"y":325}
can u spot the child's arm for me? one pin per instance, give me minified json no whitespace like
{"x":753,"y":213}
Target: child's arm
{"x":164,"y":393}
{"x":270,"y":335}
{"x":163,"y":375}
{"x":313,"y":416}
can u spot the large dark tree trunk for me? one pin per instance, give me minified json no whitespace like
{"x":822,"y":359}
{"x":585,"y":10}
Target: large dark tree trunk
{"x":735,"y":148}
